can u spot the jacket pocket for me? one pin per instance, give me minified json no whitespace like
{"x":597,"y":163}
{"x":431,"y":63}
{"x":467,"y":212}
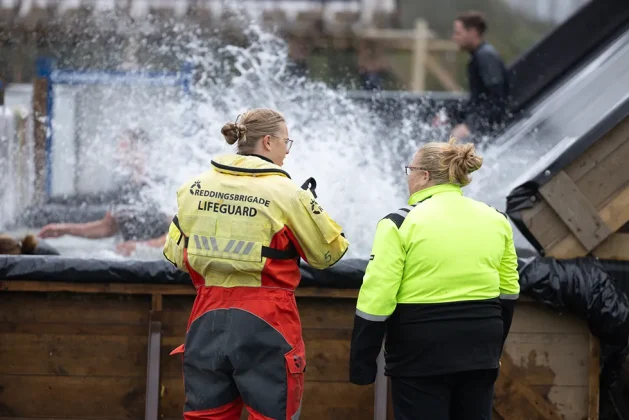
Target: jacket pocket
{"x":295,"y":368}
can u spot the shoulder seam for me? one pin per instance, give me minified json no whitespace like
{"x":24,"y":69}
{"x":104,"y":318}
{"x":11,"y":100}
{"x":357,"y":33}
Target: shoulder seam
{"x":398,"y":216}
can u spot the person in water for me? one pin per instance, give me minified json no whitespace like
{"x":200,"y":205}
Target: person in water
{"x":240,"y":230}
{"x":138,"y":220}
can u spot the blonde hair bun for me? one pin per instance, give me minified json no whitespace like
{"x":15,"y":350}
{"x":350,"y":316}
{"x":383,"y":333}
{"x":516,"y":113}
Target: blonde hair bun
{"x":449,"y":162}
{"x":461,"y":160}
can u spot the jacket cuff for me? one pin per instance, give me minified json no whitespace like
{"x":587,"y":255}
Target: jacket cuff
{"x":367,"y":338}
{"x":362,"y":375}
{"x":508,"y":308}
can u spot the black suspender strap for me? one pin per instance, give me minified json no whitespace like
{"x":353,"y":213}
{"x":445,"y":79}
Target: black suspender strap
{"x":278,"y":254}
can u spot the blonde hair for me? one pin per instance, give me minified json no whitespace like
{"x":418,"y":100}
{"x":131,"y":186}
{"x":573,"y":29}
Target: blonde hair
{"x":11,"y":246}
{"x":251,"y":126}
{"x":449,"y":163}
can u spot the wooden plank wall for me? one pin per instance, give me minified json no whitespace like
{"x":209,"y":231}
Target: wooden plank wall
{"x":601,"y":176}
{"x":73,"y":356}
{"x":85,"y":356}
{"x":545,"y":367}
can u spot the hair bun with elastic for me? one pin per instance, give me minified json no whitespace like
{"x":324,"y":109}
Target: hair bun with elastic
{"x":234,"y":132}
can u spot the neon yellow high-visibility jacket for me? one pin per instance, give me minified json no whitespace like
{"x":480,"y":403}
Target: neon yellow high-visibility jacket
{"x":441,"y":282}
{"x":246,"y":223}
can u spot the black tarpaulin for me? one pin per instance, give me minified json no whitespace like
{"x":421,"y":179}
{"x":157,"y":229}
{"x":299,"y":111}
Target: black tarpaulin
{"x":596,"y":292}
{"x":346,"y":274}
{"x":582,"y":287}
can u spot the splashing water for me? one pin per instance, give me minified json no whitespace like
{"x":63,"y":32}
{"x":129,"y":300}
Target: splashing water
{"x":334,"y":137}
{"x":355,"y":156}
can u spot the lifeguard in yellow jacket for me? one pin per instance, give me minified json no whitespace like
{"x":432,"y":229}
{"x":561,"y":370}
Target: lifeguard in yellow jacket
{"x":239,"y":232}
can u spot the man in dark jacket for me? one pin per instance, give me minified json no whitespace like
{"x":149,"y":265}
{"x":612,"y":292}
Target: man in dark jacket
{"x":487,"y":106}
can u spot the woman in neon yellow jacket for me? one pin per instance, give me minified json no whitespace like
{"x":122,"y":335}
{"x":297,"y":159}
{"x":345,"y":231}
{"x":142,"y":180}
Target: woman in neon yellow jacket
{"x":441,"y":283}
{"x":239,"y":232}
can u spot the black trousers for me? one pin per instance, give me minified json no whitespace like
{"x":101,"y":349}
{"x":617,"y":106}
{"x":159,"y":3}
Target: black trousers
{"x":455,"y":396}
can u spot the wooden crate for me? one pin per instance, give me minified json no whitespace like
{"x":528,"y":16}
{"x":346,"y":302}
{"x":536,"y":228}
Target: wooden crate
{"x":81,"y":351}
{"x":584,"y":206}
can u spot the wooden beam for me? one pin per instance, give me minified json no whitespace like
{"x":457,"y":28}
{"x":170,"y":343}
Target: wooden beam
{"x":442,"y":45}
{"x":444,"y":76}
{"x":153,"y":374}
{"x":575,"y":210}
{"x":594,"y":389}
{"x":40,"y":114}
{"x":418,"y":63}
{"x":405,"y":39}
{"x":112,"y":288}
{"x":147,"y":289}
{"x":384,"y":34}
{"x":615,"y":214}
{"x":616,"y":247}
{"x":402,"y":42}
{"x":157,"y":301}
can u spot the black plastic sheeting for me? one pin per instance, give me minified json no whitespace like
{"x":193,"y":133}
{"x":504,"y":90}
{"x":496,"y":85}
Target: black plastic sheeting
{"x":595,"y":291}
{"x":583,"y":287}
{"x":347,"y":274}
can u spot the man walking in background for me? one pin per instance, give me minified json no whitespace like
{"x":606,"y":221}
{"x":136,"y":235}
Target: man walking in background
{"x":487,"y":77}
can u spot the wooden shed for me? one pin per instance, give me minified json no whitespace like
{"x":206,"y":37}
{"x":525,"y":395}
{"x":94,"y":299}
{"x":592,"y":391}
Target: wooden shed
{"x":578,"y":204}
{"x":100,"y":350}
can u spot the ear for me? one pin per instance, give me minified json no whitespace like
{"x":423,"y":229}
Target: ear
{"x":266,"y":142}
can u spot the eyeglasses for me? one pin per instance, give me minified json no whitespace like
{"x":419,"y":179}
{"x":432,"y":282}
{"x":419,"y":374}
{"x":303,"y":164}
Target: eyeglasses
{"x":289,"y":144}
{"x":408,"y":169}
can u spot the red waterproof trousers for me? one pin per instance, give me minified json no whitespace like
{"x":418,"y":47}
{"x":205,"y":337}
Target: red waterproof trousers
{"x":243,"y":347}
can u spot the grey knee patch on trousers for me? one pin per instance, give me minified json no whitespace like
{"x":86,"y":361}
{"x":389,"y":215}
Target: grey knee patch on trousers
{"x":231,"y":352}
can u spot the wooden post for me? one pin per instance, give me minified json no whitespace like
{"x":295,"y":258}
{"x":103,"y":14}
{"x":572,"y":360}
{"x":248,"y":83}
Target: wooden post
{"x":594,"y":378}
{"x":153,"y":381}
{"x":381,"y":391}
{"x":575,"y":210}
{"x":2,"y":88}
{"x":42,"y":98}
{"x":420,"y":51}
